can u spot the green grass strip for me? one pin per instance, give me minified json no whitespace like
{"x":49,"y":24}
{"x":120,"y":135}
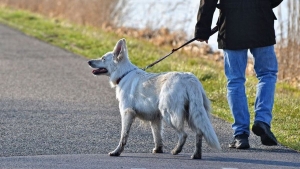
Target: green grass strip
{"x":93,"y":42}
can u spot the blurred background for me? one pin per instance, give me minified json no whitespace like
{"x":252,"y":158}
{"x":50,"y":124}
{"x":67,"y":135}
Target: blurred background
{"x":168,"y":22}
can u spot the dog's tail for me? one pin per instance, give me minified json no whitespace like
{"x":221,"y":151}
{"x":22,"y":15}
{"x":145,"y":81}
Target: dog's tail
{"x":199,"y":116}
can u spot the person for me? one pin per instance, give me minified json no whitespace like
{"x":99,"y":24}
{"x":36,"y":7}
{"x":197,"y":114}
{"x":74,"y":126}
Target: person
{"x":245,"y":25}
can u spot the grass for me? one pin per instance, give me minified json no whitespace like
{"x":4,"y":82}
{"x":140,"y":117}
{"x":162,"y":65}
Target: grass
{"x":92,"y":42}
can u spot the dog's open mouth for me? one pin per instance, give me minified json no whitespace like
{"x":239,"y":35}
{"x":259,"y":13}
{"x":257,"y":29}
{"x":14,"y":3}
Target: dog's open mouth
{"x":99,"y":71}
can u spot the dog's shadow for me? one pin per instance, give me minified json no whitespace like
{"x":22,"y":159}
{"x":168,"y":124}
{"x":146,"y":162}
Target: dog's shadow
{"x":261,"y":157}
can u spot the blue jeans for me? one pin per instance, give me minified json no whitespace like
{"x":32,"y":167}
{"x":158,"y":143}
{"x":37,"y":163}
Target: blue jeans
{"x":266,"y":68}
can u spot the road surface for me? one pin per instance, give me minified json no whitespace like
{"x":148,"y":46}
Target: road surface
{"x":55,"y":114}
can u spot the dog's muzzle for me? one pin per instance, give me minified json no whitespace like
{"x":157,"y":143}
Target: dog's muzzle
{"x":97,"y":71}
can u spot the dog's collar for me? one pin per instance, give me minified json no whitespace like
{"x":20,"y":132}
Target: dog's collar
{"x":120,"y":78}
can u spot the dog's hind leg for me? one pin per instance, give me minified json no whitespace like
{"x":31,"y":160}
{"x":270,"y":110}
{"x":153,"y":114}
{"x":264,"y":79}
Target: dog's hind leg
{"x":128,"y":117}
{"x":198,"y":149}
{"x":176,"y":121}
{"x":156,"y":127}
{"x":181,"y":141}
{"x":172,"y":109}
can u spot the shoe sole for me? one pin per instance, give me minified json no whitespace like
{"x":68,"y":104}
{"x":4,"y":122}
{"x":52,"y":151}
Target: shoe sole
{"x":266,"y":139}
{"x":239,"y":147}
{"x":244,"y":147}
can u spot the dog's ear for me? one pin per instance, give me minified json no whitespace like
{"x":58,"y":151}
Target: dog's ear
{"x":120,"y":50}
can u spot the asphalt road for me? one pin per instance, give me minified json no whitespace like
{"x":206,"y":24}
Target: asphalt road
{"x":55,"y":114}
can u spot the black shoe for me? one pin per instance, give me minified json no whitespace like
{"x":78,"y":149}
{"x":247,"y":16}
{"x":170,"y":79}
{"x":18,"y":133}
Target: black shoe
{"x":263,"y":130}
{"x":240,"y":142}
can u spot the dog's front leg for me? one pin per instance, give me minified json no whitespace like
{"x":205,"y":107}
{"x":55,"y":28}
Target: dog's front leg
{"x":127,"y":119}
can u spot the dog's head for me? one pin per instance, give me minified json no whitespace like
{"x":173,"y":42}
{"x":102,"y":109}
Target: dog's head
{"x":108,"y":64}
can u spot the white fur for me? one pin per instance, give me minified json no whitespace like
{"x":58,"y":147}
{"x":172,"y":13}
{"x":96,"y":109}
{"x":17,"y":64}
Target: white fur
{"x":173,"y":97}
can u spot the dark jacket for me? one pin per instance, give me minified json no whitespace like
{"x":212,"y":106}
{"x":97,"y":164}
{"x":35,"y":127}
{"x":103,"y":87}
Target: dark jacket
{"x":242,"y":24}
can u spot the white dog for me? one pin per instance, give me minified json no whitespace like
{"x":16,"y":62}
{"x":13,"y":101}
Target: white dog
{"x":172,"y":97}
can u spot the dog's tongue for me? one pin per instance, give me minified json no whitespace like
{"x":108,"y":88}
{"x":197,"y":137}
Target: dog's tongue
{"x":99,"y":71}
{"x":96,"y":71}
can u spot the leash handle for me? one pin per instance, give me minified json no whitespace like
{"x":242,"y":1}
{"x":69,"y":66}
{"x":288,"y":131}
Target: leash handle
{"x":213,"y":31}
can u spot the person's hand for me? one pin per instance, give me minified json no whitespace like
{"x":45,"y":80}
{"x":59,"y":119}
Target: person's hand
{"x":201,"y":40}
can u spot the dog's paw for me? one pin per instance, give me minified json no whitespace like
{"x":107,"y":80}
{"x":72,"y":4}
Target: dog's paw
{"x":157,"y":150}
{"x":175,"y":151}
{"x":114,"y":153}
{"x":196,"y":156}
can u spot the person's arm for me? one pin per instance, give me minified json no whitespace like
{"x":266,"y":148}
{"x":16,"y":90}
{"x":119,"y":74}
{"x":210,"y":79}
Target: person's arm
{"x":275,"y":3}
{"x":204,"y":19}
